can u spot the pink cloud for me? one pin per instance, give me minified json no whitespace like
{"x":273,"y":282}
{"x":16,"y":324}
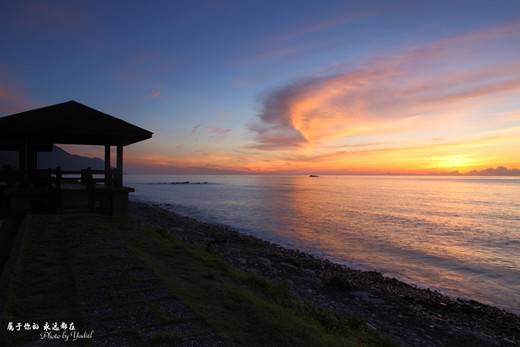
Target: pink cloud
{"x":224,"y":115}
{"x":273,"y":53}
{"x":335,"y":21}
{"x":157,"y":95}
{"x":218,"y":130}
{"x":146,"y":66}
{"x":219,"y":133}
{"x":286,"y":46}
{"x":285,"y":39}
{"x":368,"y":98}
{"x":194,"y":130}
{"x":13,"y":99}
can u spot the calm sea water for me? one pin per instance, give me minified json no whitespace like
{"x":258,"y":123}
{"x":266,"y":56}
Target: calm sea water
{"x":460,"y":236}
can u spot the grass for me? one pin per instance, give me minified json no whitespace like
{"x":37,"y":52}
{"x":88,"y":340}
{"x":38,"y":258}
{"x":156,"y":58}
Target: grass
{"x":43,"y":287}
{"x":244,"y":309}
{"x":241,"y":308}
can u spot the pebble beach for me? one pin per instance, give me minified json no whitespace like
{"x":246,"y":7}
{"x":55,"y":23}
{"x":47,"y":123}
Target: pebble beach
{"x":406,"y":314}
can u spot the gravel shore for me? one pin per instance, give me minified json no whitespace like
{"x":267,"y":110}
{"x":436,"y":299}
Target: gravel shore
{"x":407,"y":315}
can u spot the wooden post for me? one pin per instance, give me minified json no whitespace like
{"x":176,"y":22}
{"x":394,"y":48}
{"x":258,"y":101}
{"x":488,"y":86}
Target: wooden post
{"x":59,"y":198}
{"x":108,"y":174}
{"x":22,"y":163}
{"x":119,"y":166}
{"x":58,"y":177}
{"x":32,"y":164}
{"x":91,"y":189}
{"x":30,"y":168}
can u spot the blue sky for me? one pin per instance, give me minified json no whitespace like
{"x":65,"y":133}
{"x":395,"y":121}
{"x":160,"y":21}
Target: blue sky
{"x":279,"y":86}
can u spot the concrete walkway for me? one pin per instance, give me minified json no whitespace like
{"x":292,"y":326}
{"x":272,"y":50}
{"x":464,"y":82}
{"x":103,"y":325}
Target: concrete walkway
{"x":123,"y":302}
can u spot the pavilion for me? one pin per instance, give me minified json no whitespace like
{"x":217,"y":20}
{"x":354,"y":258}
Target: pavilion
{"x":38,"y":130}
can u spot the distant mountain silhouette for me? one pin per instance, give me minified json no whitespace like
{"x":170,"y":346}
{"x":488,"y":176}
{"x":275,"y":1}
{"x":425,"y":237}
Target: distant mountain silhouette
{"x":58,"y":157}
{"x":499,"y":171}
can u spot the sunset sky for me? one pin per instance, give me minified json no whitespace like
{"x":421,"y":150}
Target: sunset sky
{"x":278,"y":86}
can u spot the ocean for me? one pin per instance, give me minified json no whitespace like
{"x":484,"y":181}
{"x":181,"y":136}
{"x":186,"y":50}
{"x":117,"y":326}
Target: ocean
{"x":457,"y":235}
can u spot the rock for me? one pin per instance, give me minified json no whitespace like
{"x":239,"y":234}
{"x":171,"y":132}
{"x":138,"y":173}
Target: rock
{"x":313,"y":281}
{"x":485,"y":339}
{"x":264,"y":262}
{"x":370,"y":326}
{"x":288,"y":266}
{"x":368,"y":298}
{"x":339,"y":281}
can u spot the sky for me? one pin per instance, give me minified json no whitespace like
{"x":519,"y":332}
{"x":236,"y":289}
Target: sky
{"x":337,"y":87}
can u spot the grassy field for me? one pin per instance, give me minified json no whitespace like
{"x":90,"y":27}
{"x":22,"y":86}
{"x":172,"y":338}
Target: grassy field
{"x":43,"y":286}
{"x":243,"y":309}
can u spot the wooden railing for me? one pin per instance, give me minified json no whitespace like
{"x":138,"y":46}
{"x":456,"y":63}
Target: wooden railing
{"x":53,"y":181}
{"x":56,"y":176}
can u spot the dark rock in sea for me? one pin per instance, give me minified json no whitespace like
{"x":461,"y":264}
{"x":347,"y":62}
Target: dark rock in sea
{"x":188,"y":182}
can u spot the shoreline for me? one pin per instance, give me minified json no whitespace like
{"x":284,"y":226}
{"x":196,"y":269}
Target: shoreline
{"x":406,"y":314}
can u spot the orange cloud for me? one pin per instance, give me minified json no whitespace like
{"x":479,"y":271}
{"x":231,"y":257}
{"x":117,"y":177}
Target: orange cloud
{"x":376,"y":97}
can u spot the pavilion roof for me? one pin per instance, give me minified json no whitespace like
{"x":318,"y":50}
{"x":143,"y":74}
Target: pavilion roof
{"x":68,"y":123}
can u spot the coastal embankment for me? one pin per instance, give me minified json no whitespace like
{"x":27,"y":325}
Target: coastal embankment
{"x":404,"y":313}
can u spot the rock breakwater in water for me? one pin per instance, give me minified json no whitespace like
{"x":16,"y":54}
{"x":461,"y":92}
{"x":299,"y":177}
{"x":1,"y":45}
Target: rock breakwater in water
{"x":401,"y":312}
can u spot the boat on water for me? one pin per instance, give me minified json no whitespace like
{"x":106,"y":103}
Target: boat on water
{"x":314,"y":176}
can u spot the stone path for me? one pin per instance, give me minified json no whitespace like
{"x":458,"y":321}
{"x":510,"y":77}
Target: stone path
{"x":122,"y":300}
